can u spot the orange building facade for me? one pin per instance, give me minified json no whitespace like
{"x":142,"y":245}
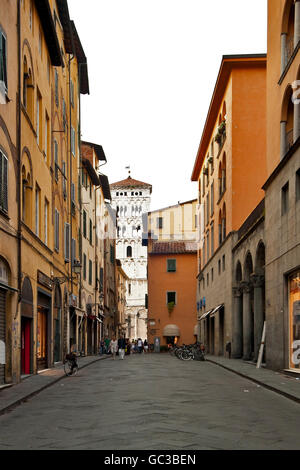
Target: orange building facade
{"x":172,"y":269}
{"x":282,"y":188}
{"x":232,"y":149}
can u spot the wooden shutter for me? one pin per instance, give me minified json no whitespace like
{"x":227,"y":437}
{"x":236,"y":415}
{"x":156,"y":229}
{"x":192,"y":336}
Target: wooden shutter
{"x":73,"y":250}
{"x":56,"y":229}
{"x":67,"y":242}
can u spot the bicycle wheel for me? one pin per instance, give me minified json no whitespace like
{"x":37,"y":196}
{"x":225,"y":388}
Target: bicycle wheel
{"x":186,"y":356}
{"x":68,"y":368}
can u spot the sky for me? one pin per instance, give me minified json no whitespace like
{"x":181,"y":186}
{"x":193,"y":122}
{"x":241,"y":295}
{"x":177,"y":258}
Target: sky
{"x":153,"y":66}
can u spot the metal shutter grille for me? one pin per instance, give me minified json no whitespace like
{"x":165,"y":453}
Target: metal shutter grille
{"x":2,"y":330}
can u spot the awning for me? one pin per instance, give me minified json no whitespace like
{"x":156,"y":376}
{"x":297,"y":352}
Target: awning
{"x":215,"y":310}
{"x":171,"y":330}
{"x":205,"y":315}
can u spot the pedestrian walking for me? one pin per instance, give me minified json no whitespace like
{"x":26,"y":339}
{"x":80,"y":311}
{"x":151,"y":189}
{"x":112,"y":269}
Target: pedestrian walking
{"x":121,"y":347}
{"x":140,"y":345}
{"x":145,"y":346}
{"x":113,"y":346}
{"x":128,"y":347}
{"x":106,"y":344}
{"x":102,"y":346}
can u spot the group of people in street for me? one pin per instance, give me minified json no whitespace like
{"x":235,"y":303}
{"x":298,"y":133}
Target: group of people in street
{"x":122,"y":346}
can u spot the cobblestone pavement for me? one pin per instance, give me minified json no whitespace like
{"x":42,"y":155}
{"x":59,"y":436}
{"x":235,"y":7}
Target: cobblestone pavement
{"x":153,"y":402}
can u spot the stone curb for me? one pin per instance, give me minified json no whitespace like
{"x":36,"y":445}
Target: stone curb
{"x":258,"y":382}
{"x":27,"y":397}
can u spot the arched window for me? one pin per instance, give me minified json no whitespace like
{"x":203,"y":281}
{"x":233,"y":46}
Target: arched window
{"x":287,"y":122}
{"x":28,"y":89}
{"x":26,"y":197}
{"x":224,"y":173}
{"x":224,"y":222}
{"x":220,"y":180}
{"x":220,"y":228}
{"x":129,"y":252}
{"x":289,"y":32}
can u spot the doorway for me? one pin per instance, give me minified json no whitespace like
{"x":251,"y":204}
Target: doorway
{"x":26,"y":332}
{"x":42,"y":343}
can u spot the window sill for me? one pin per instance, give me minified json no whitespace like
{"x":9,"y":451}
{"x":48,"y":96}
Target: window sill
{"x":4,"y":214}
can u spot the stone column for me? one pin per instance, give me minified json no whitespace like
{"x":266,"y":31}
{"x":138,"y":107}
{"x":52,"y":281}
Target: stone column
{"x":247,"y":327}
{"x":258,"y":282}
{"x":283,"y":52}
{"x":296,"y":100}
{"x":283,"y":143}
{"x":297,"y":23}
{"x":237,"y":327}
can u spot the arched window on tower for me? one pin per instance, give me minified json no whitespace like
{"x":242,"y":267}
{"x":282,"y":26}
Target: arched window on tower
{"x":129,"y":252}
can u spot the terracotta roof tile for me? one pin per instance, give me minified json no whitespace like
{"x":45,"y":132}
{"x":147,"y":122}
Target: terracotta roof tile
{"x":130,"y":183}
{"x":174,"y":247}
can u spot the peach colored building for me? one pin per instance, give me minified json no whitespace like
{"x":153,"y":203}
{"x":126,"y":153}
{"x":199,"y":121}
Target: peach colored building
{"x":230,"y":168}
{"x":9,"y":193}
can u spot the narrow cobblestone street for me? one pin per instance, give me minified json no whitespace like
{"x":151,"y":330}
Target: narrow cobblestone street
{"x":153,"y":402}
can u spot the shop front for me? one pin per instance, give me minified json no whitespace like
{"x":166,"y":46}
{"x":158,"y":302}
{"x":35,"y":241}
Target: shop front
{"x":2,"y":333}
{"x":26,"y":328}
{"x":43,"y":329}
{"x":294,"y":320}
{"x":171,"y":333}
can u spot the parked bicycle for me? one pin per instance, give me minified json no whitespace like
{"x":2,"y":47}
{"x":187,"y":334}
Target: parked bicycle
{"x":70,"y":364}
{"x":191,"y":352}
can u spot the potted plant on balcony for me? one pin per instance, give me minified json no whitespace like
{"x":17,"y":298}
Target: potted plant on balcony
{"x":171,"y":306}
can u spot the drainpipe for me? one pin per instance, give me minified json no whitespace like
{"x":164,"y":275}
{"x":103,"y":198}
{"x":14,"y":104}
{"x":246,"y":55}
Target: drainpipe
{"x":18,"y":308}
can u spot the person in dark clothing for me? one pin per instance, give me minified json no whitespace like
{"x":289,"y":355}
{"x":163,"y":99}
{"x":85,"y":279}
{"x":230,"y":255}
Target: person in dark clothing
{"x":121,"y":347}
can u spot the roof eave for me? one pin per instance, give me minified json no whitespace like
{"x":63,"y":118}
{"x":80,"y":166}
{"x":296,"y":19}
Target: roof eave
{"x":46,"y":18}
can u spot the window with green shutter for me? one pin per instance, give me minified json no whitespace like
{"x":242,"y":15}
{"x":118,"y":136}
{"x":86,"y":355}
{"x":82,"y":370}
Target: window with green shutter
{"x":171,"y":265}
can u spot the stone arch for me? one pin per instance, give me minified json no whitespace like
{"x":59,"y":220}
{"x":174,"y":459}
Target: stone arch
{"x":260,"y":259}
{"x":238,"y":272}
{"x":288,"y":11}
{"x":248,"y":266}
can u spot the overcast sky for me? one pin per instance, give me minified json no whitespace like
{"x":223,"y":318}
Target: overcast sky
{"x":153,"y":65}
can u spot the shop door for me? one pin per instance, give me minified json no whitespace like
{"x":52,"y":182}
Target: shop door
{"x":42,"y":346}
{"x":25,"y":345}
{"x":2,"y":330}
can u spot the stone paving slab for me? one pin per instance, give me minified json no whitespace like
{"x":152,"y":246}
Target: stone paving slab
{"x":276,"y":381}
{"x":279,"y":382}
{"x":33,"y":384}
